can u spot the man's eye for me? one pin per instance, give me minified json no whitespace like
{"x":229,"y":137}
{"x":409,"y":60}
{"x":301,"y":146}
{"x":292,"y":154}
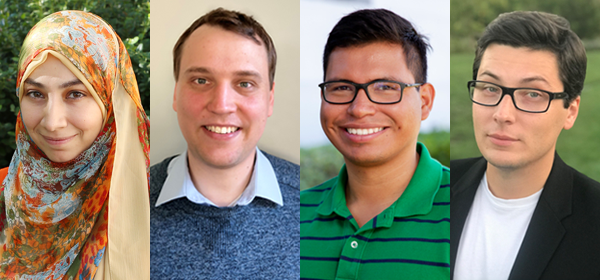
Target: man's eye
{"x":201,"y":81}
{"x":245,"y":85}
{"x":533,"y":94}
{"x":491,"y":89}
{"x":341,"y":88}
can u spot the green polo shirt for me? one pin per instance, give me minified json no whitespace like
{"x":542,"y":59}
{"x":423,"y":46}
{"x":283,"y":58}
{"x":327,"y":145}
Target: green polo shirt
{"x":408,"y":240}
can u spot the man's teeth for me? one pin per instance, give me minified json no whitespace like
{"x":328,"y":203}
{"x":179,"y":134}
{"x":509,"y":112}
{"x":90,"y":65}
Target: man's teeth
{"x":222,"y":129}
{"x":363,"y":131}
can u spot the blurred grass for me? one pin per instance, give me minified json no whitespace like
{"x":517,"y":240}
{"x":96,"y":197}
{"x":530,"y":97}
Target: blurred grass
{"x":579,"y":147}
{"x":322,"y":163}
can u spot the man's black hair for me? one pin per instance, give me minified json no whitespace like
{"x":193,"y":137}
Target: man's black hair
{"x":380,"y":25}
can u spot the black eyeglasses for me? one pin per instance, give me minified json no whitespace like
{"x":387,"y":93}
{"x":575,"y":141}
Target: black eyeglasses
{"x":530,"y":100}
{"x":378,"y":91}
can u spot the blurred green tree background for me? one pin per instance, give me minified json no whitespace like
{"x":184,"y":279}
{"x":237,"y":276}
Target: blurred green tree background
{"x":129,"y":18}
{"x":579,"y":146}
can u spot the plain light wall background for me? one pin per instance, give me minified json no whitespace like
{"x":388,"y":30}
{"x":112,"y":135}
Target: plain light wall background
{"x":281,"y":19}
{"x":429,"y":17}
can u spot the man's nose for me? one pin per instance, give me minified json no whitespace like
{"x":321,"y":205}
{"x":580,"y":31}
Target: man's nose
{"x":361,"y":106}
{"x":55,"y":114}
{"x":223,"y":99}
{"x":505,"y":110}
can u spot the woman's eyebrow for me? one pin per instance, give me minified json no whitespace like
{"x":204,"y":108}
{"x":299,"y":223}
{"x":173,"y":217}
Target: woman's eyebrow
{"x":34,"y":83}
{"x":62,"y":86}
{"x":70,"y":83}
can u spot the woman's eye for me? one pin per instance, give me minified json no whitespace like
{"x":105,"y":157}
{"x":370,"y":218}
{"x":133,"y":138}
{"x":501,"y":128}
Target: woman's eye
{"x":75,"y":95}
{"x":35,"y":94}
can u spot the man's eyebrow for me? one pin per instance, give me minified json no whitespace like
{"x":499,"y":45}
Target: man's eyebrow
{"x":248,"y":73}
{"x":240,"y":73}
{"x":492,"y":75}
{"x":524,"y":80}
{"x":197,"y":70}
{"x":535,"y":79}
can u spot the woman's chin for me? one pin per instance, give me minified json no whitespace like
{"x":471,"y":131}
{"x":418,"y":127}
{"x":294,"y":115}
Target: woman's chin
{"x":61,"y":156}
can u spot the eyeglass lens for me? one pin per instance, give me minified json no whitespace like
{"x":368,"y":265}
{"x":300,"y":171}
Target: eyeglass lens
{"x":381,"y":91}
{"x":525,"y":99}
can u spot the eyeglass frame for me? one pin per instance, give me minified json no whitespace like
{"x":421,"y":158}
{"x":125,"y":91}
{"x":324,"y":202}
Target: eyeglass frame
{"x":364,"y":87}
{"x":510,"y":92}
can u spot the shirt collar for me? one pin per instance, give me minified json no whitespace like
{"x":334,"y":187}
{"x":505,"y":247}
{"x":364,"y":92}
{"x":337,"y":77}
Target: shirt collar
{"x":263,"y":183}
{"x":417,"y":199}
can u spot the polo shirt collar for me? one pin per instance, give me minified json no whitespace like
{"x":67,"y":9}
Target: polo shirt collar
{"x":263,"y":183}
{"x":417,"y":199}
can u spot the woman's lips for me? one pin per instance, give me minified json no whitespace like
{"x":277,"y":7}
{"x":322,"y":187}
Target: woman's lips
{"x":57,"y":141}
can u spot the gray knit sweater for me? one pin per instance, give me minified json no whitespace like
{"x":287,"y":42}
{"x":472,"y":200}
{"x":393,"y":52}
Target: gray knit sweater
{"x":258,"y":241}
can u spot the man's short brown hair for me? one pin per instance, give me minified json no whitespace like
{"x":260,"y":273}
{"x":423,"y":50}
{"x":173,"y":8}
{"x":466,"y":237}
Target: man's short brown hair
{"x":231,"y":21}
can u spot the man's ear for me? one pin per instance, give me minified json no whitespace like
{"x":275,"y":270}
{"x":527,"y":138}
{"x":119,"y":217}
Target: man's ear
{"x":271,"y":99}
{"x":572,"y":112}
{"x":427,"y":96}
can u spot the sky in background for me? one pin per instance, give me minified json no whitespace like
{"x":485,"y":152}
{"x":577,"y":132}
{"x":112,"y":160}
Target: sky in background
{"x":429,"y":17}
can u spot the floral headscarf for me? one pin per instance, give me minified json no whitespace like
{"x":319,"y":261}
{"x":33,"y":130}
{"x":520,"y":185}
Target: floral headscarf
{"x":88,"y":217}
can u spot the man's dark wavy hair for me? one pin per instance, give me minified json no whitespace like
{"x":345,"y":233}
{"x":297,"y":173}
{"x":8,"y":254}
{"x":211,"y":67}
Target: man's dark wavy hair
{"x":539,"y":31}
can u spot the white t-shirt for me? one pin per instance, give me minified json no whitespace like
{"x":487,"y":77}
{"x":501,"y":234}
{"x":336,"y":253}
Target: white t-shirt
{"x":492,"y":235}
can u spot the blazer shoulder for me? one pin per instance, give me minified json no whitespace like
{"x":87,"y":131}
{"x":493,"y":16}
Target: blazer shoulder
{"x":459,"y":167}
{"x":586,"y":190}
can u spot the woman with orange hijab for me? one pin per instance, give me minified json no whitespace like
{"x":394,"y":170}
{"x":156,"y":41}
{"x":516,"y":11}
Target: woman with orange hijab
{"x":74,"y":200}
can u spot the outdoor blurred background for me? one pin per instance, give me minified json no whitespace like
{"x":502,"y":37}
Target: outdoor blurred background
{"x":129,"y":18}
{"x":580,"y":146}
{"x":319,"y":160}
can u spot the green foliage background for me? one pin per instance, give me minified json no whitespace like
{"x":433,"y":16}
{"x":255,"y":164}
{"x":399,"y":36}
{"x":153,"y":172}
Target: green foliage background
{"x":322,"y":163}
{"x":468,"y":18}
{"x":129,"y":18}
{"x":579,"y":146}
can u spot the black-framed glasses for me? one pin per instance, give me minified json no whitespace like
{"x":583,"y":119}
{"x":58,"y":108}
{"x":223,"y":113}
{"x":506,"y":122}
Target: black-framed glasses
{"x":378,"y":91}
{"x":530,"y":100}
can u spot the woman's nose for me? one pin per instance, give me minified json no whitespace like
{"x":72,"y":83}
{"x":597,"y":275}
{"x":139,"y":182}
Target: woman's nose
{"x":55,"y":114}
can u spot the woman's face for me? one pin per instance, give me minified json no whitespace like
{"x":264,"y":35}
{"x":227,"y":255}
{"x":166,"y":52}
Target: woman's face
{"x":60,"y":114}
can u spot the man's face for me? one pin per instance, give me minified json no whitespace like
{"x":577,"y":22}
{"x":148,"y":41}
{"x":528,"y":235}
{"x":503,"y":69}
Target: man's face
{"x":369,"y":134}
{"x":222,"y":96}
{"x":506,"y":136}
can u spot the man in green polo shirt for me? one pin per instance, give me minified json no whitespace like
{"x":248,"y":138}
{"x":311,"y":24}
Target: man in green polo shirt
{"x":386,"y":215}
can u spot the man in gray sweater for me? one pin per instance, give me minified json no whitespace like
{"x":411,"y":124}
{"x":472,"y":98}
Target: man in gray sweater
{"x":223,"y":209}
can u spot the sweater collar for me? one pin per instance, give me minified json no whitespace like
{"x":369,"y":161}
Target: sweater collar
{"x":263,"y":183}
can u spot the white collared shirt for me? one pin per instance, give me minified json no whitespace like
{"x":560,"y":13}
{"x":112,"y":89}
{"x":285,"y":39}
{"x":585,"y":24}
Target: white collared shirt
{"x":263,"y":183}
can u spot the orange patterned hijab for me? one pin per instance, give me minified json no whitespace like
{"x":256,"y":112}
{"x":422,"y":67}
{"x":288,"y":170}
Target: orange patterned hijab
{"x":85,"y":218}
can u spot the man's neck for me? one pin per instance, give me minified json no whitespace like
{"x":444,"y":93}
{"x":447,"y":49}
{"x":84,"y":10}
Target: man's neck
{"x":372,"y":189}
{"x":222,"y":186}
{"x":513,"y":183}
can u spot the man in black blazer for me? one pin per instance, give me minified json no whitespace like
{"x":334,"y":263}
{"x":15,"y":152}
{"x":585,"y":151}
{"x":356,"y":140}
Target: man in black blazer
{"x":519,"y":212}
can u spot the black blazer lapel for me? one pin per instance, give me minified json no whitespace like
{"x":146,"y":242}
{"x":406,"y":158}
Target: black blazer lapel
{"x":462,"y":193}
{"x":545,"y":230}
